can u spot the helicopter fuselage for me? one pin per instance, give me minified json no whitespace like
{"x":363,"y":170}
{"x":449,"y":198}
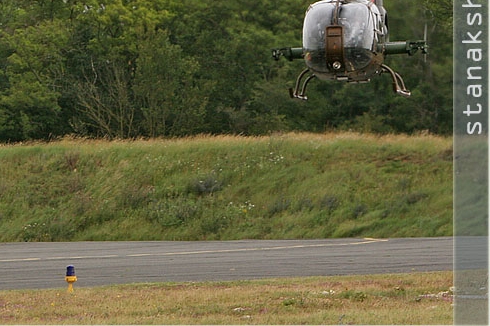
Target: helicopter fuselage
{"x":340,"y":40}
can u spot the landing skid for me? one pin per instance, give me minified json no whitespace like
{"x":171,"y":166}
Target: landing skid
{"x":296,"y":93}
{"x":398,"y":84}
{"x":299,"y":90}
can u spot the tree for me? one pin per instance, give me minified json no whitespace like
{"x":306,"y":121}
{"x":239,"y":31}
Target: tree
{"x":170,"y":95}
{"x":33,"y":75}
{"x":105,"y":100}
{"x":441,"y":11}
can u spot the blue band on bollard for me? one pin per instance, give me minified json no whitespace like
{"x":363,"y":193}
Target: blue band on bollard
{"x":70,"y":270}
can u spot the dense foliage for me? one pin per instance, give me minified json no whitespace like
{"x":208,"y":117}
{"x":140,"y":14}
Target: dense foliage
{"x":147,"y":68}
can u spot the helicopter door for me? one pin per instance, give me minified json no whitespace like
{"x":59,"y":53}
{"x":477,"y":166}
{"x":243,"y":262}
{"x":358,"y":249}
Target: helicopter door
{"x":334,"y":46}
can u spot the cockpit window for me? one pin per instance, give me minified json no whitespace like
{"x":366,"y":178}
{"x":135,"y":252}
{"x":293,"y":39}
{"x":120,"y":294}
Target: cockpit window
{"x":317,"y":18}
{"x":358,"y":26}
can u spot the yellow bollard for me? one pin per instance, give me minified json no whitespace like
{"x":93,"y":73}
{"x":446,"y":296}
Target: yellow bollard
{"x":70,"y":277}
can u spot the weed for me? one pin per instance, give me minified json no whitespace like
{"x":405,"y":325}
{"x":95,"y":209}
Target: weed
{"x":71,"y":160}
{"x":289,"y":302}
{"x":206,"y":185}
{"x":329,"y":203}
{"x":210,"y":226}
{"x":304,"y":204}
{"x":415,"y":197}
{"x":353,"y":295}
{"x":35,"y":232}
{"x":134,"y":196}
{"x":404,"y":184}
{"x":278,"y":206}
{"x":173,"y":212}
{"x":359,"y":210}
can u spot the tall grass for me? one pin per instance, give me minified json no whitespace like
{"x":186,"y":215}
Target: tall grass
{"x":227,"y":187}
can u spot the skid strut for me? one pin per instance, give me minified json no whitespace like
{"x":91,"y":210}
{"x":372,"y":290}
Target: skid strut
{"x":296,"y":93}
{"x":398,"y":84}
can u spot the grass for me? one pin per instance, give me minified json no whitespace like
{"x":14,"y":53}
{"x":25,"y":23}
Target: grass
{"x":227,"y":187}
{"x":397,"y":299}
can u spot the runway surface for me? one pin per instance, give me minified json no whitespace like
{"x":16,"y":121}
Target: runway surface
{"x":43,"y":265}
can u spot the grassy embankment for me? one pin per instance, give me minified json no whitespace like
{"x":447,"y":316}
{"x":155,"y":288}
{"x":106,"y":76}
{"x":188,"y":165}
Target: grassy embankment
{"x":401,"y":299}
{"x":282,"y":186}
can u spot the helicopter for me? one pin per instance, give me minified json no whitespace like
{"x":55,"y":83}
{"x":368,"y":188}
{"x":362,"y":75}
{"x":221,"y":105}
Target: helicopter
{"x":347,"y":40}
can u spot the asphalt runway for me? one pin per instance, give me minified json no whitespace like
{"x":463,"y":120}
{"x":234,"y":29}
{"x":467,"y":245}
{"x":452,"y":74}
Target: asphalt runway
{"x":43,"y":265}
